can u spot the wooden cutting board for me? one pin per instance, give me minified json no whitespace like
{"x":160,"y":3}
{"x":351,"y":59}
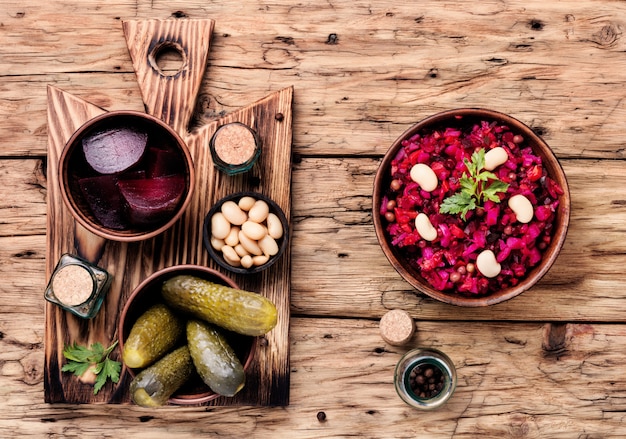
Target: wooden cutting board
{"x":171,"y":97}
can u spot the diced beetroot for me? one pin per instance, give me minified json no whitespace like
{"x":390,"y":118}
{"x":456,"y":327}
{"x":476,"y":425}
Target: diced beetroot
{"x":152,"y":200}
{"x":448,"y":262}
{"x":114,"y":150}
{"x":104,"y":199}
{"x":162,"y":162}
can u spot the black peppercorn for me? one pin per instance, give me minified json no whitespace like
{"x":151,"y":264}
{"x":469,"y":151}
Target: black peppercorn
{"x":426,"y":380}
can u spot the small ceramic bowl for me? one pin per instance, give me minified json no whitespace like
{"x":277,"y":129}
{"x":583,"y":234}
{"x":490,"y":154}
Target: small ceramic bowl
{"x":148,"y":293}
{"x":98,"y":159}
{"x":219,"y":256}
{"x":463,"y":119}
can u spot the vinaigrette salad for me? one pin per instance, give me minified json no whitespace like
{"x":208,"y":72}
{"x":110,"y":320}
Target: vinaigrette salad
{"x":462,"y":224}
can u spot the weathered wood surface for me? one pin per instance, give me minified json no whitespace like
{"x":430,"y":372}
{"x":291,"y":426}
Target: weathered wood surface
{"x":130,"y":263}
{"x":362,"y":73}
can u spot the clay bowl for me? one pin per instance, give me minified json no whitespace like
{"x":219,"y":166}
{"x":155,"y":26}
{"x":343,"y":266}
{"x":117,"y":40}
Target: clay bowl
{"x":148,"y":293}
{"x":218,"y":256}
{"x":102,"y":210}
{"x":465,"y":118}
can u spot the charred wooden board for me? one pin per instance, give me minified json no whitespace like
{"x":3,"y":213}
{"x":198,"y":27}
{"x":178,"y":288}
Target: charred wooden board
{"x":170,"y":97}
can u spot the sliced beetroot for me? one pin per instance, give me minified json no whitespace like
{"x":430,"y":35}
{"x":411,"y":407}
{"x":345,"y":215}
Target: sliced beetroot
{"x":152,"y":200}
{"x":105,"y":200}
{"x":114,"y":150}
{"x":162,"y":162}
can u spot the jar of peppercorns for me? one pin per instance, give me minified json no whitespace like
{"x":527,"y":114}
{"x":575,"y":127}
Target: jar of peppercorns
{"x":425,"y":378}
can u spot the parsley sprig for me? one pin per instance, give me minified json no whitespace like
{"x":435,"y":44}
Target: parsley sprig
{"x":477,"y":186}
{"x":81,"y":359}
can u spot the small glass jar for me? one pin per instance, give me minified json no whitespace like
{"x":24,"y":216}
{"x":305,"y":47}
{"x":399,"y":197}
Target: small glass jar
{"x":425,"y":378}
{"x":78,"y":286}
{"x":235,"y":148}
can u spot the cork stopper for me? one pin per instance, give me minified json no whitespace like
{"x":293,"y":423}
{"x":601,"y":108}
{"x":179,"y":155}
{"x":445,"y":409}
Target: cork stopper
{"x":397,"y":327}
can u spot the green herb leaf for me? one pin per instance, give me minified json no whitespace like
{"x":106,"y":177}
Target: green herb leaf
{"x":461,"y":202}
{"x":108,"y":369}
{"x":477,"y":186}
{"x":78,"y":353}
{"x":491,"y":193}
{"x":75,"y":367}
{"x":81,"y":358}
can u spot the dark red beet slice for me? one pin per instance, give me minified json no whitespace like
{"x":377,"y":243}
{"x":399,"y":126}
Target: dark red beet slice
{"x":105,"y":201}
{"x":161,"y":162}
{"x":114,"y":150}
{"x":152,"y":200}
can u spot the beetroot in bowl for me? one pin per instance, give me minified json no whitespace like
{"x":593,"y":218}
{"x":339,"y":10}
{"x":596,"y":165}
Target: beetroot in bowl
{"x":471,"y":207}
{"x":126,"y":176}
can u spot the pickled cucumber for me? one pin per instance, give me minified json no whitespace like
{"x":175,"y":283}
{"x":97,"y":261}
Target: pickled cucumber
{"x":153,"y":386}
{"x":239,"y":311}
{"x":155,"y":333}
{"x":216,"y":362}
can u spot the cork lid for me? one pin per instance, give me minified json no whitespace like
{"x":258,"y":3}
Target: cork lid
{"x":397,"y":327}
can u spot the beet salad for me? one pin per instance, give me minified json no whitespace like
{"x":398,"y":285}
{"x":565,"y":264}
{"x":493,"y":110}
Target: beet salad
{"x":472,"y":210}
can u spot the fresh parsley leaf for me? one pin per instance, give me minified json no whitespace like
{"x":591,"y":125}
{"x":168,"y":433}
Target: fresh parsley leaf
{"x":81,"y":359}
{"x":105,"y":370}
{"x":78,"y":353}
{"x":77,"y":368}
{"x":491,"y":193}
{"x":477,"y":186}
{"x":461,"y":202}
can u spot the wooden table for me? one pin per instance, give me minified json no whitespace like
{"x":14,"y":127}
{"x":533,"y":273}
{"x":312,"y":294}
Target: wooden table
{"x":546,"y":364}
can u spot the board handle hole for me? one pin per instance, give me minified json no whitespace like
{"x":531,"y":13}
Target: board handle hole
{"x":168,"y":59}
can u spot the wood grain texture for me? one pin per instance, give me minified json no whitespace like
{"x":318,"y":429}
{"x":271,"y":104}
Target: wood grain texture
{"x":177,"y":90}
{"x":130,"y":263}
{"x":363,"y":72}
{"x":333,"y":233}
{"x":512,"y":383}
{"x":373,"y":66}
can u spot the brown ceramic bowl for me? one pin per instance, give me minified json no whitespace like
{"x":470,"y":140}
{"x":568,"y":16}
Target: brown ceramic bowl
{"x":165,"y":153}
{"x":218,"y":256}
{"x":148,"y":293}
{"x":463,"y":118}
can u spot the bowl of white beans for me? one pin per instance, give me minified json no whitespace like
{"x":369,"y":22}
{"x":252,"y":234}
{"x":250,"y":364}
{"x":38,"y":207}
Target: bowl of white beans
{"x":246,"y":232}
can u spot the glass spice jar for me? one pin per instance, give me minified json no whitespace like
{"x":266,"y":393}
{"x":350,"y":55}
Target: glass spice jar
{"x":425,"y":378}
{"x":235,"y":148}
{"x":78,"y":286}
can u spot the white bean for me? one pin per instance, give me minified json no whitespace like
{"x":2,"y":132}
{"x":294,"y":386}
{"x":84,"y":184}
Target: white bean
{"x":241,"y":251}
{"x":217,"y":244}
{"x":233,"y":213}
{"x":268,"y":245}
{"x":487,"y":264}
{"x":246,"y":261}
{"x":220,"y":227}
{"x":425,"y":228}
{"x":522,"y":207}
{"x":274,"y":226}
{"x":246,"y":203}
{"x":260,"y":260}
{"x":230,"y":255}
{"x":495,"y":157}
{"x":423,"y":175}
{"x":250,"y":244}
{"x":233,"y":237}
{"x":253,"y":230}
{"x":259,"y":211}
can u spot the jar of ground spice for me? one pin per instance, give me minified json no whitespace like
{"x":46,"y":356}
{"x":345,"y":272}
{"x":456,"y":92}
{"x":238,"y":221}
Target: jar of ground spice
{"x":235,"y":148}
{"x":78,"y":286}
{"x":425,"y":378}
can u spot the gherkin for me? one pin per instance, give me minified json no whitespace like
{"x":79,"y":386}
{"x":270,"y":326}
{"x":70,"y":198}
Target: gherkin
{"x":239,"y":311}
{"x":153,"y":386}
{"x":214,"y":359}
{"x":155,"y":333}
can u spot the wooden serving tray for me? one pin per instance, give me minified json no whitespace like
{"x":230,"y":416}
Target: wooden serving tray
{"x":171,"y":98}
